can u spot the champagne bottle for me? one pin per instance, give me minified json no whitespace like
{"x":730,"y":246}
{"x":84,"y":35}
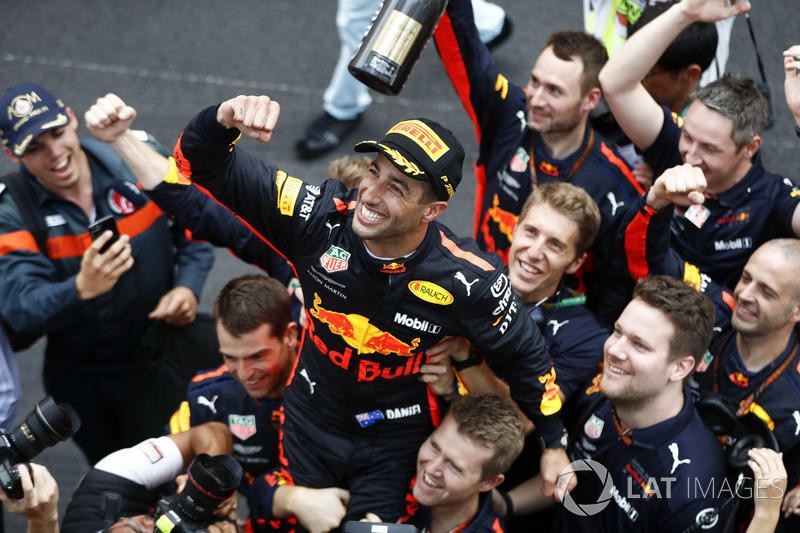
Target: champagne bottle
{"x":394,"y":42}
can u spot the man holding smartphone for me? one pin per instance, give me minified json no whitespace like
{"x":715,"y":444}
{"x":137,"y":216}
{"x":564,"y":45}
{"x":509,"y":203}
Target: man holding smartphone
{"x":120,"y":322}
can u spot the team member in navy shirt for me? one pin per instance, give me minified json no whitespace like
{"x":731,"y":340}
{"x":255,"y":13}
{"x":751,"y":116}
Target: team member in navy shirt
{"x":753,"y":357}
{"x":258,"y":344}
{"x":556,"y":227}
{"x":540,"y":134}
{"x":665,"y":468}
{"x":721,"y":134}
{"x":460,"y":463}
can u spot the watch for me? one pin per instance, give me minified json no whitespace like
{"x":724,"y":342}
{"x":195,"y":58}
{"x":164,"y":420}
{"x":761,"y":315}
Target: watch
{"x":470,"y":361}
{"x":560,"y":442}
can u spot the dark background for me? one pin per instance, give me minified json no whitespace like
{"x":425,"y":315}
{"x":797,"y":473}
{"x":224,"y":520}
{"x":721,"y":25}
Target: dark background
{"x":171,"y":58}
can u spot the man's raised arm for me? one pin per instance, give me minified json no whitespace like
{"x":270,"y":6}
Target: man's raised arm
{"x":636,"y":112}
{"x":110,"y":119}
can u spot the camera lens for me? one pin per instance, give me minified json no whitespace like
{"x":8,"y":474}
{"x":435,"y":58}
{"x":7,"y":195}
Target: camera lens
{"x":211,"y":480}
{"x":47,"y":424}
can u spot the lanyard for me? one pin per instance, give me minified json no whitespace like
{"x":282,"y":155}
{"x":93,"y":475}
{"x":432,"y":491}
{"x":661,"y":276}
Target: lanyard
{"x":624,"y":433}
{"x":761,"y":388}
{"x":575,"y":167}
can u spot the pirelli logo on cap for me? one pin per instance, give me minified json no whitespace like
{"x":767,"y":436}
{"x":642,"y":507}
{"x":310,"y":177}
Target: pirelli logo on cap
{"x":424,"y":136}
{"x":289,"y":188}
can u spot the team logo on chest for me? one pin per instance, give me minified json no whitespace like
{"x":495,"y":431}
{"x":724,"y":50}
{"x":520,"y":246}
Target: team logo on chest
{"x":243,"y":426}
{"x":335,"y":259}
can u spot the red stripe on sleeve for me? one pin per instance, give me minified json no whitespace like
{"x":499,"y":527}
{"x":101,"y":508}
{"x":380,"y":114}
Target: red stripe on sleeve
{"x":635,"y":244}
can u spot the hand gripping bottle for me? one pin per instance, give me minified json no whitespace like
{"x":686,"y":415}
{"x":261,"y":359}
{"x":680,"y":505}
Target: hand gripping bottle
{"x":394,"y":42}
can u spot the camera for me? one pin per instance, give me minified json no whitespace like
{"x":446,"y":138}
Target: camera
{"x":47,"y":424}
{"x":212,"y":480}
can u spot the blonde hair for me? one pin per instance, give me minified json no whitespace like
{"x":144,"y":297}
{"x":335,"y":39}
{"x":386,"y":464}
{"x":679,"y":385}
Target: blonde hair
{"x":349,"y":169}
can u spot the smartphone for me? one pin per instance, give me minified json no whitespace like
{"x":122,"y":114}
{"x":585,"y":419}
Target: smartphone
{"x":101,"y":225}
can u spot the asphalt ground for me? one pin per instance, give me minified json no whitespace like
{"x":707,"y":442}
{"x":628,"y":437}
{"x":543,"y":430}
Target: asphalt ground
{"x":171,"y":58}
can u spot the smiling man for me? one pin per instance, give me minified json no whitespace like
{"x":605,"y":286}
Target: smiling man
{"x":461,"y":462}
{"x":556,"y":227}
{"x":720,"y":134}
{"x":257,"y":340}
{"x":57,"y":282}
{"x":383,"y":281}
{"x":539,"y":133}
{"x":644,"y":430}
{"x":756,"y":347}
{"x":753,"y":358}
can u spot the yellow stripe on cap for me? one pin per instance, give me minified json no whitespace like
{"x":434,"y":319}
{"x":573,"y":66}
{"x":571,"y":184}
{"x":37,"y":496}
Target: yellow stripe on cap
{"x":423,"y":136}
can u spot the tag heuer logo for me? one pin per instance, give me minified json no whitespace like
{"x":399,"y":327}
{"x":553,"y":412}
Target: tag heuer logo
{"x":242,"y":426}
{"x":593,"y":427}
{"x":335,"y":259}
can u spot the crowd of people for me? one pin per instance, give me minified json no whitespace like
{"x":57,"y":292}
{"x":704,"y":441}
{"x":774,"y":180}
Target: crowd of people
{"x":614,"y":349}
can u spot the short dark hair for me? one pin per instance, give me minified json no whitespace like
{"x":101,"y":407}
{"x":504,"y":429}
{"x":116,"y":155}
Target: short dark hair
{"x":569,"y":44}
{"x":741,"y":101}
{"x":690,"y":312}
{"x":574,"y":203}
{"x":428,"y":194}
{"x":247,"y":302}
{"x":493,"y":422}
{"x":695,"y":45}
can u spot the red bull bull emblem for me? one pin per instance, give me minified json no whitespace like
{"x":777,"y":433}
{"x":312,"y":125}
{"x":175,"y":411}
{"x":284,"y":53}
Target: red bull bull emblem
{"x":394,"y":268}
{"x":335,"y":259}
{"x":360,"y":334}
{"x":760,"y":413}
{"x":595,"y":386}
{"x":739,"y":379}
{"x":506,"y":220}
{"x":738,"y":217}
{"x":342,"y":207}
{"x":549,"y":169}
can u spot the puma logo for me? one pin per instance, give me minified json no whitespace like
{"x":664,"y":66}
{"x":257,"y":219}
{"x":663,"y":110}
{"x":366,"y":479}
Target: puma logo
{"x":202,"y":400}
{"x":673,"y":448}
{"x":523,"y":120}
{"x":614,"y":203}
{"x":460,"y":277}
{"x":311,"y":384}
{"x":556,"y":325}
{"x":796,"y":416}
{"x":330,"y":228}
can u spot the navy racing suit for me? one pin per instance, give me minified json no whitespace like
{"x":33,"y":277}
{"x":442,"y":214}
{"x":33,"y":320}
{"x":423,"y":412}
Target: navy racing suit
{"x":355,"y":392}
